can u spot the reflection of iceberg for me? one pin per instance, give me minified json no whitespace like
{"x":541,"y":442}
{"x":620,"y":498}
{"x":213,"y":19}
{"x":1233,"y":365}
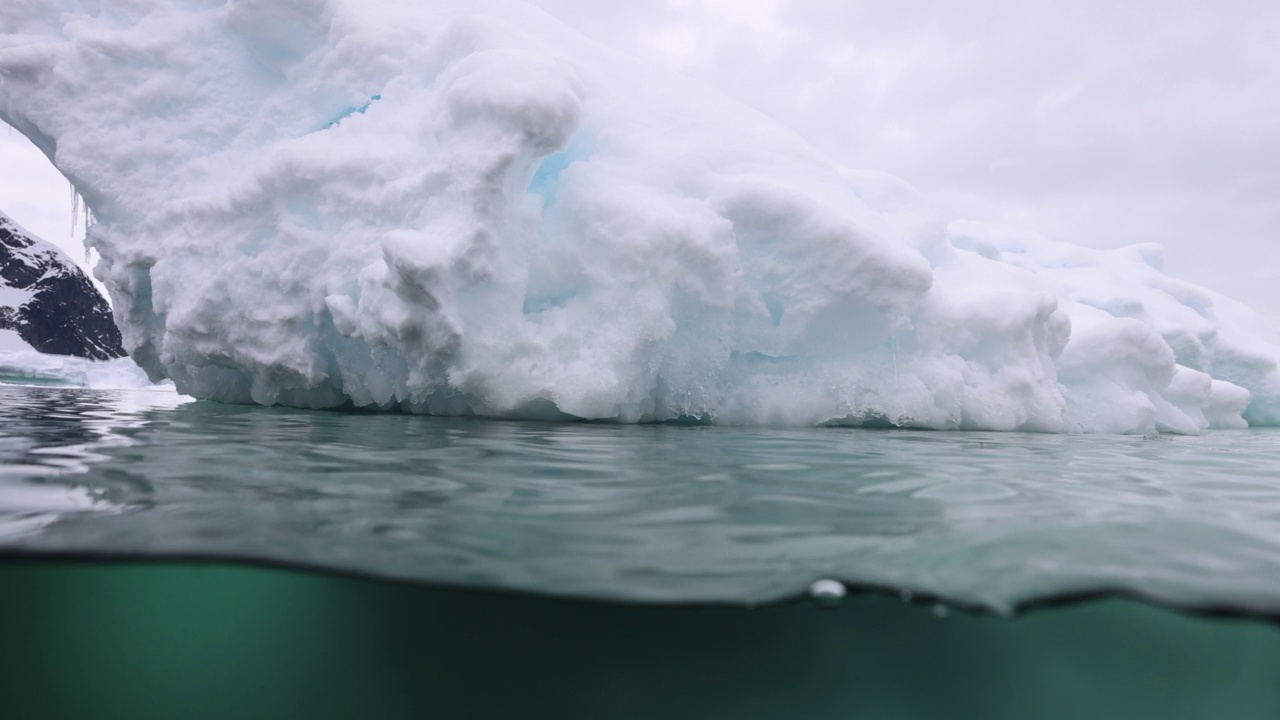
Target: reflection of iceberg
{"x":464,"y":208}
{"x":27,"y":508}
{"x":669,"y":514}
{"x":49,"y":437}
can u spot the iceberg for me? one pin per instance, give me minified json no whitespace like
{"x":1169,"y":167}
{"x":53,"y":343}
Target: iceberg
{"x":468,"y":208}
{"x":23,"y":365}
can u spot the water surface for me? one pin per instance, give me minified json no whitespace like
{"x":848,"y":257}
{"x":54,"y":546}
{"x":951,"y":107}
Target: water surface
{"x":645,"y":513}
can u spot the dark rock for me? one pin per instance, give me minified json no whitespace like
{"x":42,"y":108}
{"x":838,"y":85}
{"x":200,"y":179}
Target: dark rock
{"x":63,"y":313}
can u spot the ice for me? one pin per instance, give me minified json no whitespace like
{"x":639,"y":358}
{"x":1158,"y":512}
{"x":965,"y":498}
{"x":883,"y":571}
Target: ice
{"x":467,"y":208}
{"x":22,"y":365}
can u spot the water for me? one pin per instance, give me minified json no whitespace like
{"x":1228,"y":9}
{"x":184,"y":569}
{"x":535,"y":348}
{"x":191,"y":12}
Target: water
{"x":163,"y":640}
{"x":649,"y":513}
{"x":661,"y":571}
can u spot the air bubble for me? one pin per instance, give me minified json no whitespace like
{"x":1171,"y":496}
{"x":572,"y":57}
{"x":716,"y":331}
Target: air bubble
{"x":827,"y":592}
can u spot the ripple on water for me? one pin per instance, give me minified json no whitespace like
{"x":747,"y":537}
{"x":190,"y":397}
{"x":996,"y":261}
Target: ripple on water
{"x":645,"y":513}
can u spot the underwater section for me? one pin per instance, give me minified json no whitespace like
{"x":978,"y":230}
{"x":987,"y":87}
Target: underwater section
{"x":165,"y":640}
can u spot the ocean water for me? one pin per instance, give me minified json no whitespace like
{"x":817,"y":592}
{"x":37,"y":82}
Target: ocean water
{"x":167,"y":558}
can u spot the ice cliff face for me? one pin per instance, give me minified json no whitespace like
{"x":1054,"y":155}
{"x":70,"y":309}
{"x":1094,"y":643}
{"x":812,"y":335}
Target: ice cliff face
{"x":464,"y":208}
{"x":49,"y":302}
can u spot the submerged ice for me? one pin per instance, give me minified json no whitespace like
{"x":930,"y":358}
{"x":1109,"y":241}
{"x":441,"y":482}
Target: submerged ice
{"x":466,"y":208}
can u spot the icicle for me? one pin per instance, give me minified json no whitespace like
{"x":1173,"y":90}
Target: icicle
{"x":75,"y":209}
{"x":89,"y":222}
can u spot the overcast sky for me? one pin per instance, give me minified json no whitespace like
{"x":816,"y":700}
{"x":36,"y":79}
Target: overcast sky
{"x":1100,"y":123}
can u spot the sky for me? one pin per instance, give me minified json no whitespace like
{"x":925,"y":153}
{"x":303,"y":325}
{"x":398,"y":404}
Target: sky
{"x":1098,"y":123}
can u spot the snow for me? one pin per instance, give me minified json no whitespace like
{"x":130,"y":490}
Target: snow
{"x":11,"y":341}
{"x":13,"y":297}
{"x":467,"y":208}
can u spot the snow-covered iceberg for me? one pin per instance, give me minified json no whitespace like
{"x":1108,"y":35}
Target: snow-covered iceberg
{"x":466,"y":207}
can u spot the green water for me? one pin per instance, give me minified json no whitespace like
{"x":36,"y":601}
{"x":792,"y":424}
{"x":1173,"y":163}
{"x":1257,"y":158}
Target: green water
{"x":89,"y":640}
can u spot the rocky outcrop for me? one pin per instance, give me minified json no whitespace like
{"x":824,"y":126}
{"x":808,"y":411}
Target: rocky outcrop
{"x":49,"y":301}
